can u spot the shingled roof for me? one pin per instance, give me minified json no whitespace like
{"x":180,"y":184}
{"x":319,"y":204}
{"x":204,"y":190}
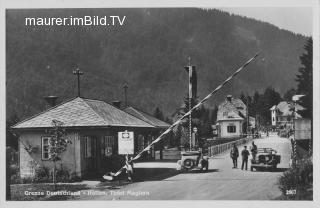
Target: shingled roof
{"x":146,"y":117}
{"x":233,"y":109}
{"x":81,"y":112}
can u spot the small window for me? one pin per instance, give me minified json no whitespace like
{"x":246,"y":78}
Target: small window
{"x":231,"y":129}
{"x":45,"y":148}
{"x":225,"y":113}
{"x":140,"y":142}
{"x":87,"y":147}
{"x":108,"y":145}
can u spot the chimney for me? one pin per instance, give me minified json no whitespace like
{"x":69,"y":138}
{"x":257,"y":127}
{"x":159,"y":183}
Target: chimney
{"x":51,"y":100}
{"x":229,"y":98}
{"x":116,"y":103}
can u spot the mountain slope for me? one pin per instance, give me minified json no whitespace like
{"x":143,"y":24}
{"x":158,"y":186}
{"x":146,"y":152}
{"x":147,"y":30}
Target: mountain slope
{"x":148,"y":52}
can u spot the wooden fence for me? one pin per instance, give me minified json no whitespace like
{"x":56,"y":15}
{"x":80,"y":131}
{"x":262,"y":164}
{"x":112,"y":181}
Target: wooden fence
{"x":221,"y":148}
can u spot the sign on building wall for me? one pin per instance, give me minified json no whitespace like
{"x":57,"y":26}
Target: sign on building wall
{"x":125,"y":142}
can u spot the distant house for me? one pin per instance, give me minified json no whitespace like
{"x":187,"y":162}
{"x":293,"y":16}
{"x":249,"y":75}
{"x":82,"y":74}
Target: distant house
{"x":91,"y":125}
{"x":231,"y":117}
{"x":282,"y":114}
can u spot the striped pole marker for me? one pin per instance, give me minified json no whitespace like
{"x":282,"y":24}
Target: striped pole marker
{"x":107,"y":177}
{"x":294,"y":150}
{"x":190,"y":124}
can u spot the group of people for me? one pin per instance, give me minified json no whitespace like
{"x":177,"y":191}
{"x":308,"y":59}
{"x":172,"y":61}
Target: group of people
{"x":234,"y":154}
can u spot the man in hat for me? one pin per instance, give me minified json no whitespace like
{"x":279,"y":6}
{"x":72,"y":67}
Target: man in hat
{"x":234,"y":154}
{"x":245,"y":155}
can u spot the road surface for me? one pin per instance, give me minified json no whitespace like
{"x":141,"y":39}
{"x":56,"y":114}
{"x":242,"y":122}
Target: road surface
{"x":220,"y":183}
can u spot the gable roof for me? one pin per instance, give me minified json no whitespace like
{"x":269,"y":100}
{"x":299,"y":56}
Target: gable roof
{"x":285,"y":108}
{"x":232,"y":110}
{"x":146,"y":117}
{"x":81,"y":112}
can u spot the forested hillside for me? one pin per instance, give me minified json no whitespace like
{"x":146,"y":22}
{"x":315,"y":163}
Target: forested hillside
{"x":148,"y":52}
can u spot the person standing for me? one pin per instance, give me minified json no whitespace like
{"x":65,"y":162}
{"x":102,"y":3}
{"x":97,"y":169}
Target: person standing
{"x":129,"y":168}
{"x":254,"y":150}
{"x":234,"y":154}
{"x":245,"y":155}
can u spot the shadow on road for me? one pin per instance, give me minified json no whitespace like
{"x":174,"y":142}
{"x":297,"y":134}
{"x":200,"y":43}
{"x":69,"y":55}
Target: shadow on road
{"x":280,"y":169}
{"x":199,"y":171}
{"x":153,"y":174}
{"x":276,"y":170}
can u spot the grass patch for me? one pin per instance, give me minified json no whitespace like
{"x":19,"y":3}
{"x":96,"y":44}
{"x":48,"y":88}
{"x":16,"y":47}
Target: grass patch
{"x":297,"y":182}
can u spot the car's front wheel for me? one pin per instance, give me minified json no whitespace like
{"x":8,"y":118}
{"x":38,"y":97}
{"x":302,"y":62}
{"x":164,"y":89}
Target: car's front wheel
{"x":188,"y":163}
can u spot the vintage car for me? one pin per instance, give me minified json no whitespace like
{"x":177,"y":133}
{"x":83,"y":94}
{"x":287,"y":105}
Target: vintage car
{"x":192,"y":159}
{"x":266,"y":158}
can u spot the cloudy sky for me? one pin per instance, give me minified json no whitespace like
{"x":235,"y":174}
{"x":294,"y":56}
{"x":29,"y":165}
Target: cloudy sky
{"x":298,"y":20}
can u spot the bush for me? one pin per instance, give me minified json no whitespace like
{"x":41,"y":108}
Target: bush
{"x":298,"y":178}
{"x":26,"y":180}
{"x":14,"y":169}
{"x":15,"y":179}
{"x":14,"y":174}
{"x":42,"y":175}
{"x":62,"y":175}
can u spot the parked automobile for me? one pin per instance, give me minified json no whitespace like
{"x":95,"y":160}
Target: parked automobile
{"x":193,"y":159}
{"x":266,"y":158}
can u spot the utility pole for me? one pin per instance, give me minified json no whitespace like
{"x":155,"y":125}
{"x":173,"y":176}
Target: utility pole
{"x":125,"y":87}
{"x":192,"y":93}
{"x":190,"y":98}
{"x":78,"y":73}
{"x":248,"y":119}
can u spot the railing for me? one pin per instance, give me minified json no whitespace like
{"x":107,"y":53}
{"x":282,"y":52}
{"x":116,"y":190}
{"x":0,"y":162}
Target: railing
{"x":221,"y":148}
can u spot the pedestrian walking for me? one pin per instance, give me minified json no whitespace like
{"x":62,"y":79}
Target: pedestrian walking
{"x":234,"y":154}
{"x":245,"y":155}
{"x":254,"y":150}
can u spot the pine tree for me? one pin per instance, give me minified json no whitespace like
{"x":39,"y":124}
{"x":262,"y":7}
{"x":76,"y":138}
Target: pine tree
{"x":304,"y":79}
{"x":288,"y":95}
{"x":11,"y":139}
{"x":270,"y":98}
{"x":255,"y":103}
{"x":158,"y":114}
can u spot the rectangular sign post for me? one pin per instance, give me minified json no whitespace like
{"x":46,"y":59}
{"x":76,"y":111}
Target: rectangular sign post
{"x":302,"y":130}
{"x":125,"y":143}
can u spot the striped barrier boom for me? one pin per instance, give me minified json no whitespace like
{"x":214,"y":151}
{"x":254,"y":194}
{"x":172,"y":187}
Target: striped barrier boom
{"x":190,"y":111}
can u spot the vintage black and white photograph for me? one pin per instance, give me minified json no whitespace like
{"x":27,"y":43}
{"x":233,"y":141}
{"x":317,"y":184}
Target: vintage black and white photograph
{"x":159,"y":103}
